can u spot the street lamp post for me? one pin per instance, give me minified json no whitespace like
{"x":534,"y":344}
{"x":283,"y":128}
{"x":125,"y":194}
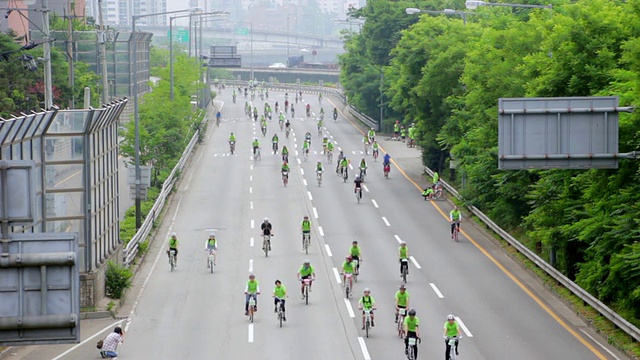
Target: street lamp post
{"x":473,"y":4}
{"x":136,"y":115}
{"x":411,"y":11}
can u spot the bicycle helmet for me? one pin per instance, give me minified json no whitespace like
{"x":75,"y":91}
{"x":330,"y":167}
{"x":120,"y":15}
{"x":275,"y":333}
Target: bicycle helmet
{"x":402,"y":287}
{"x":266,"y":219}
{"x":306,"y":217}
{"x":348,"y":257}
{"x":367,"y":290}
{"x":307,"y":262}
{"x":355,"y":242}
{"x":212,"y":234}
{"x":251,"y":276}
{"x":403,"y":243}
{"x":412,"y":312}
{"x":451,"y":317}
{"x":173,"y":234}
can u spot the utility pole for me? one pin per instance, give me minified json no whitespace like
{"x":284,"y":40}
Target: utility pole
{"x":72,"y":79}
{"x":103,"y":56}
{"x":48,"y":87}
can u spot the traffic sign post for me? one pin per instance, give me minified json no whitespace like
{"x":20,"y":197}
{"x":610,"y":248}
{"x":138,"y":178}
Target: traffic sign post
{"x":180,"y":35}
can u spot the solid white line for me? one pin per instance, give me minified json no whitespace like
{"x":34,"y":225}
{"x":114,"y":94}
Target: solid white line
{"x":252,"y":224}
{"x":250,"y":265}
{"x":337,"y":274}
{"x":315,"y":212}
{"x":320,"y":231}
{"x":386,"y":221}
{"x":309,"y":194}
{"x":415,"y":262}
{"x":464,"y":328}
{"x":398,"y":238}
{"x":251,"y":204}
{"x":250,"y":190}
{"x":87,"y":339}
{"x":363,"y":347}
{"x":251,"y":241}
{"x":436,"y":290}
{"x":602,"y":346}
{"x":326,"y":246}
{"x":304,"y":181}
{"x":250,"y":333}
{"x":302,"y":171}
{"x":365,"y":187}
{"x":349,"y":308}
{"x":374,"y":203}
{"x":199,"y":156}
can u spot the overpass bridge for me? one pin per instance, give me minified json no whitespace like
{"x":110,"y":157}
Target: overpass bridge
{"x":259,"y":36}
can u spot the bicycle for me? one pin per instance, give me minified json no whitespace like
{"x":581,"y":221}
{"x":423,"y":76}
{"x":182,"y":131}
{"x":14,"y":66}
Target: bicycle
{"x":306,"y":154}
{"x":306,"y":242}
{"x":345,"y":174}
{"x":366,"y":148}
{"x":264,"y":131}
{"x":281,"y":123}
{"x":367,"y":321}
{"x":363,"y":172}
{"x":172,"y":259}
{"x":438,"y":194}
{"x":307,"y":285}
{"x":211,"y":259}
{"x":266,"y":244}
{"x":456,"y":230}
{"x":232,"y":147}
{"x":387,"y":169}
{"x":401,"y":314}
{"x":450,"y":347}
{"x":335,"y":116}
{"x":280,"y":310}
{"x":285,"y":158}
{"x":358,"y":192}
{"x":319,"y":177}
{"x":375,"y":155}
{"x":348,"y":285}
{"x":356,"y":270}
{"x":274,"y":147}
{"x":287,"y":132}
{"x":405,"y":269}
{"x":319,"y":131}
{"x":285,"y":177}
{"x":256,"y":155}
{"x":252,"y":306}
{"x":329,"y":156}
{"x":413,"y":347}
{"x":217,"y":120}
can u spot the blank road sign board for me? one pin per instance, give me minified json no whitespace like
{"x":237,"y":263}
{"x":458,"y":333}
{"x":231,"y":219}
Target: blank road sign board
{"x":558,"y":133}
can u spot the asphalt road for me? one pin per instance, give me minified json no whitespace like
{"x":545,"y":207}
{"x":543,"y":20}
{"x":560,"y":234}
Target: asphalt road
{"x":193,"y":314}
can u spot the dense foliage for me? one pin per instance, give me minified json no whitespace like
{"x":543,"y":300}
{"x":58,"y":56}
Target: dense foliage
{"x":447,"y":77}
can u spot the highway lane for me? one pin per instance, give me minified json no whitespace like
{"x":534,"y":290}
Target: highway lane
{"x":197,"y":314}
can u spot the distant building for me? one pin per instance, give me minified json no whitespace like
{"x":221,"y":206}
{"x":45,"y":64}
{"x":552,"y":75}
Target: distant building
{"x":17,"y":19}
{"x":119,"y":12}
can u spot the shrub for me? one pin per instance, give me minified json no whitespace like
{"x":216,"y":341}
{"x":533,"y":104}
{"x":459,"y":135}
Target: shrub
{"x":118,"y":279}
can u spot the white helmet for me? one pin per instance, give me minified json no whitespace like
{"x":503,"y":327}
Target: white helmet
{"x":451,"y":317}
{"x":173,"y":234}
{"x":212,"y":234}
{"x":266,"y":219}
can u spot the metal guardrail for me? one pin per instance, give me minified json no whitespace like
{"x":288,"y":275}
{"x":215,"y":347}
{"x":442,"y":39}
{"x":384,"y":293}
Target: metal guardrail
{"x":131,"y":250}
{"x":364,"y":118}
{"x":603,"y":309}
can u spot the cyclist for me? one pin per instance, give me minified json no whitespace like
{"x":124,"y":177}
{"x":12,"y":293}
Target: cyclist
{"x":320,"y":97}
{"x":218,"y":116}
{"x":293,"y":111}
{"x":411,"y":330}
{"x":320,"y":124}
{"x":279,"y":296}
{"x":232,"y":138}
{"x":428,"y":192}
{"x":305,"y":147}
{"x":263,"y":124}
{"x":365,"y":141}
{"x":267,"y":229}
{"x":325,"y":141}
{"x":319,"y":168}
{"x":322,"y":111}
{"x":308,"y":107}
{"x":455,"y":217}
{"x":251,"y":289}
{"x":330,"y":146}
{"x":412,"y":134}
{"x":358,"y":185}
{"x":234,"y":95}
{"x":274,"y":143}
{"x":306,"y":271}
{"x":306,"y":229}
{"x":436,"y":178}
{"x":287,"y":125}
{"x":344,"y":166}
{"x":255,"y":113}
{"x":450,"y":329}
{"x":281,"y":119}
{"x":285,"y":154}
{"x":363,"y":167}
{"x":396,"y":130}
{"x":286,"y":96}
{"x":371,"y":134}
{"x":403,"y":133}
{"x":211,"y":245}
{"x":277,"y":107}
{"x":347,"y":268}
{"x":340,"y":157}
{"x":173,"y":245}
{"x":402,"y":299}
{"x":386,"y":160}
{"x":307,"y":137}
{"x":367,"y":303}
{"x":296,"y":98}
{"x":286,"y":105}
{"x":335,"y":113}
{"x":256,"y":145}
{"x":376,"y":148}
{"x":403,"y":254}
{"x":356,"y":254}
{"x":285,"y":169}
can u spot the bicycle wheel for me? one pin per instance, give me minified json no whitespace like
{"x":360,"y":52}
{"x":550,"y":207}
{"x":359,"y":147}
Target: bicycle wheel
{"x":280,"y":316}
{"x":306,"y":295}
{"x":400,"y":327}
{"x":172,"y":264}
{"x":366,"y":328}
{"x":251,"y":314}
{"x":346,"y":289}
{"x":306,"y":245}
{"x":266,"y":249}
{"x":404,"y":274}
{"x":211,"y":265}
{"x":456,"y":232}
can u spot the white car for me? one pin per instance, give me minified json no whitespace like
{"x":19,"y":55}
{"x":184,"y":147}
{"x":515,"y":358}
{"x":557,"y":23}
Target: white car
{"x":277,"y":66}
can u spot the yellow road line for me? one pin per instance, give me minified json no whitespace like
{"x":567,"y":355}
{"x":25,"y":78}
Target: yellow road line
{"x":493,"y":260}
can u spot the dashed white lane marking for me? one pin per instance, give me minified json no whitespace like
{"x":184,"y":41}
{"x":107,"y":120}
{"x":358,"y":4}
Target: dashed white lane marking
{"x":337,"y":274}
{"x":251,"y":178}
{"x":374,"y":203}
{"x":299,"y":162}
{"x":301,"y":171}
{"x":304,"y":181}
{"x":339,"y":148}
{"x":386,"y":221}
{"x":349,"y":308}
{"x":250,"y":333}
{"x":413,"y":260}
{"x":363,"y":347}
{"x":320,"y":231}
{"x":602,"y":346}
{"x":309,"y":194}
{"x":326,"y":247}
{"x":365,"y":187}
{"x":251,"y":167}
{"x":252,"y":224}
{"x":397,"y":238}
{"x":250,"y":265}
{"x":315,"y":212}
{"x":251,"y":241}
{"x":251,"y":204}
{"x":350,"y":166}
{"x":436,"y":290}
{"x":296,"y":152}
{"x":463,"y":326}
{"x":250,"y":190}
